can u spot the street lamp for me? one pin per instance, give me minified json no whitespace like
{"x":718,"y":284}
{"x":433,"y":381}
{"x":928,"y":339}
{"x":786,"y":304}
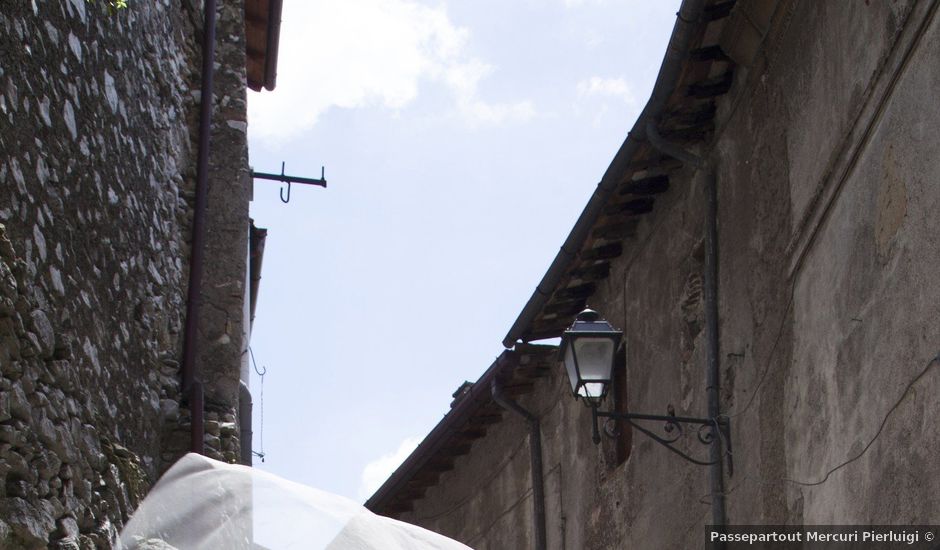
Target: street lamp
{"x":589,"y":349}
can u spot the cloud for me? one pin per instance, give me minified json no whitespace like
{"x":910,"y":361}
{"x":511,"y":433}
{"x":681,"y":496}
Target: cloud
{"x":598,"y":97}
{"x":464,"y":79}
{"x":376,"y":472}
{"x":364,"y":53}
{"x":578,"y":3}
{"x":606,"y":87}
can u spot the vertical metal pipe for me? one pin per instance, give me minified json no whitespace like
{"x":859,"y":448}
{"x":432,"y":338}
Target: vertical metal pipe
{"x":274,"y":39}
{"x":197,"y":253}
{"x":256,"y":239}
{"x":713,"y":379}
{"x":535,"y":457}
{"x":712,"y":361}
{"x":538,"y":484}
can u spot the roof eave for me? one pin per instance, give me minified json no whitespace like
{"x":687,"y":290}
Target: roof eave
{"x":686,"y":21}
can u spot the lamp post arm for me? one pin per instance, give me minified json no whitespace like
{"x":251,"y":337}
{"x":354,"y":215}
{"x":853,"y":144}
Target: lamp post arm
{"x":709,"y":429}
{"x":668,"y":444}
{"x":654,"y":417}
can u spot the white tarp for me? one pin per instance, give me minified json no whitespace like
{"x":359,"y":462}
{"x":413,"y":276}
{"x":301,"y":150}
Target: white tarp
{"x":202,"y":504}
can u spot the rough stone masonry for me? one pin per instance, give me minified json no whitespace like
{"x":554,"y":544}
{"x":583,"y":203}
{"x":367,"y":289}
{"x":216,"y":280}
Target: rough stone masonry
{"x":98,"y":121}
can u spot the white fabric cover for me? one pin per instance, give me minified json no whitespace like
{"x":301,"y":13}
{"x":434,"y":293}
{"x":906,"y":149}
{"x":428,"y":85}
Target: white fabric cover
{"x":202,"y":504}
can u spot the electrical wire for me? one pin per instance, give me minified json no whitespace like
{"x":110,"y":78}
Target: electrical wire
{"x":768,"y":362}
{"x":884,"y":421}
{"x":881,"y":427}
{"x":260,"y":372}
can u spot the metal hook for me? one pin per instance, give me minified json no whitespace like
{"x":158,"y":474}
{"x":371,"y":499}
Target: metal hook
{"x":283,"y":199}
{"x":284,"y":178}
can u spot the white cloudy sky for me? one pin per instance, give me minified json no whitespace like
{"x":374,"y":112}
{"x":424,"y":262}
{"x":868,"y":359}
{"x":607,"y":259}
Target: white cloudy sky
{"x":461,"y":140}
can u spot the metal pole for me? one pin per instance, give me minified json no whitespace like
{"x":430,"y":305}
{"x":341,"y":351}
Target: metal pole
{"x":535,"y":456}
{"x":197,"y":254}
{"x":713,"y":378}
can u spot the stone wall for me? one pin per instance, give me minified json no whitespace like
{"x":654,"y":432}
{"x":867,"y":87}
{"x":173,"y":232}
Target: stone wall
{"x":223,"y":334}
{"x":98,"y":122}
{"x":222,"y":337}
{"x":826,"y":152}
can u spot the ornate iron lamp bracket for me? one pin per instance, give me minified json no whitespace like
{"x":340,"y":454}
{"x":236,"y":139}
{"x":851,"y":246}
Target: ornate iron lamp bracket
{"x":708,"y":430}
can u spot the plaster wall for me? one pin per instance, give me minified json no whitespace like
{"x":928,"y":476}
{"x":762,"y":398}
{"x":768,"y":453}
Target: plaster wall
{"x":826,"y":154}
{"x":865,"y":303}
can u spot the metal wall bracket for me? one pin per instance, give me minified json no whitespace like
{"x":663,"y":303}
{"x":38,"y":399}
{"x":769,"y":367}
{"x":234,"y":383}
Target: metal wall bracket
{"x":321,"y":182}
{"x":708,"y":430}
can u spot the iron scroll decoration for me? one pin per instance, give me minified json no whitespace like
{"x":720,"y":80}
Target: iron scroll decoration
{"x":673,"y":426}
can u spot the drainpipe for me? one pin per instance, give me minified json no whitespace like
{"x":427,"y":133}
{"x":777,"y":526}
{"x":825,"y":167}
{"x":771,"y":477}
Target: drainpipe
{"x":274,"y":38}
{"x":713,"y":365}
{"x":256,"y":240}
{"x":712,"y":345}
{"x":192,"y":388}
{"x":535,"y":452}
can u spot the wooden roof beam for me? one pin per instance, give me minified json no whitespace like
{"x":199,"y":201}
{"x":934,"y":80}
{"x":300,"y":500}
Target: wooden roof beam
{"x":440,"y":464}
{"x":697,"y":114}
{"x":659,"y":163}
{"x":708,"y":53}
{"x":535,"y":372}
{"x":575,"y":292}
{"x":646,"y":186}
{"x":613,"y":231}
{"x":456,"y":450}
{"x":485,"y":420}
{"x":638,"y":206}
{"x":719,"y":10}
{"x":593,"y":272}
{"x":691,"y":133}
{"x":548,"y":330}
{"x":565,"y":308}
{"x":412,"y":493}
{"x":605,"y":252}
{"x":712,"y":87}
{"x":427,"y":478}
{"x":471,"y":432}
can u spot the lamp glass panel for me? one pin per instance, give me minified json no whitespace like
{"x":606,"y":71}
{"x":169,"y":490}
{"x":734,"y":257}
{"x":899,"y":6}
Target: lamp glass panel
{"x":592,"y":390}
{"x":595,"y":357}
{"x":571,"y":368}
